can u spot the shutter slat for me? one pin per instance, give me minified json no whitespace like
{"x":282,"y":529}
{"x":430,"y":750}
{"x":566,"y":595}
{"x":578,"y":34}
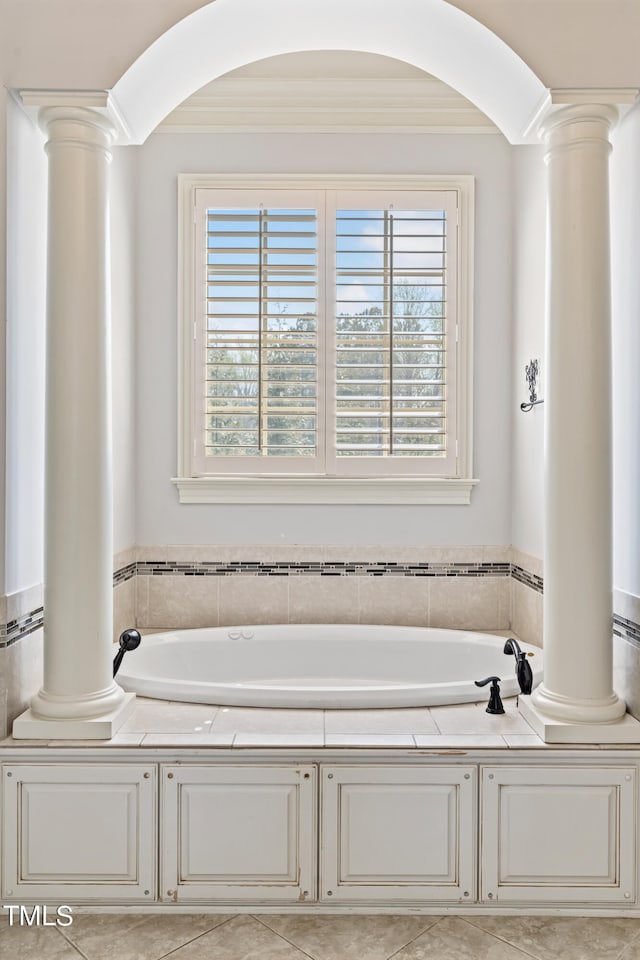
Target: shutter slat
{"x":261,"y":274}
{"x":391,"y":278}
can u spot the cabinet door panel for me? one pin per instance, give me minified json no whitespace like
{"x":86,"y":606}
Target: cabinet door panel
{"x":559,"y":834}
{"x":398,"y":833}
{"x":238,"y":833}
{"x":79,"y":832}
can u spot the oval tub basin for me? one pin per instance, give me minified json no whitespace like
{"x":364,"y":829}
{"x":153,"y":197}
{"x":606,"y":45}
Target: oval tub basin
{"x":332,"y":666}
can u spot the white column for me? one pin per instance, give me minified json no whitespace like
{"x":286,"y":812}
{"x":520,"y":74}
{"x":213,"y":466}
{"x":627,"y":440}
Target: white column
{"x":576,"y":698}
{"x":79,"y":697}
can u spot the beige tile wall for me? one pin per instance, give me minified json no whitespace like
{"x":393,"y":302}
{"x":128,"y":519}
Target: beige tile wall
{"x":526,"y":612}
{"x":20,"y":678}
{"x":626,"y":654}
{"x":169,"y":601}
{"x":484,"y":603}
{"x":526,"y":603}
{"x":21,"y":663}
{"x":124,"y":606}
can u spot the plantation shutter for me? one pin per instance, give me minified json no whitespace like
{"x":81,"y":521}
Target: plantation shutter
{"x":395,"y":333}
{"x":259,"y":350}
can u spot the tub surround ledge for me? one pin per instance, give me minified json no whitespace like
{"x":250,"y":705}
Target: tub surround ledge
{"x":625,"y":729}
{"x":29,"y":726}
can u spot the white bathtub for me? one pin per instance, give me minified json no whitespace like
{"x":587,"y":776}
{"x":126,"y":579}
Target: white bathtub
{"x":324,"y":666}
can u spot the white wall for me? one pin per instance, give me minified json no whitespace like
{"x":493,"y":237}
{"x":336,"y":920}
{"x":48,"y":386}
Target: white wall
{"x":123,"y":188}
{"x":26,"y":279}
{"x":625,"y":203}
{"x":160,"y":518}
{"x":4,"y":99}
{"x":529,"y":193}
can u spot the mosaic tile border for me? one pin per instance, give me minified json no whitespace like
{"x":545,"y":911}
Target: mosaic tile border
{"x":18,"y":629}
{"x":529,"y":579}
{"x":125,"y":573}
{"x":627,"y":629}
{"x":150,"y":568}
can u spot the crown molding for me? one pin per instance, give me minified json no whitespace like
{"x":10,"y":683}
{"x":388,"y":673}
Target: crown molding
{"x":330,"y":104}
{"x":612,"y":96}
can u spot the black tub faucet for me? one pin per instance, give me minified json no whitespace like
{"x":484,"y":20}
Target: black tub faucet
{"x":495,"y":702}
{"x":524,"y":672}
{"x":129,"y":640}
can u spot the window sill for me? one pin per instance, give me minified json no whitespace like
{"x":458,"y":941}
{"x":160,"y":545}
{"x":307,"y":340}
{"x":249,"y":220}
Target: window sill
{"x":391,"y":490}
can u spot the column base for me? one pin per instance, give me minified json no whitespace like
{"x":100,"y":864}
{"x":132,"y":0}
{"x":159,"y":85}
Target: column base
{"x":624,"y":730}
{"x":29,"y":727}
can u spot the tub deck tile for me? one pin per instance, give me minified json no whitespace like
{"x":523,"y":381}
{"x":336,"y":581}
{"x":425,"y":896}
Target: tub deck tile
{"x":412,"y":720}
{"x":170,"y":717}
{"x":264,"y":720}
{"x":473,"y":718}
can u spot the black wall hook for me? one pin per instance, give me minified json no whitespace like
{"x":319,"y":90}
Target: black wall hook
{"x":525,"y":407}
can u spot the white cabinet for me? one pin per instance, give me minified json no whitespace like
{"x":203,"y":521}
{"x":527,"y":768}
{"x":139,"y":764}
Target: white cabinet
{"x":559,"y":834}
{"x":542,"y":835}
{"x":238,"y":833}
{"x":73,"y":833}
{"x":398,"y":833}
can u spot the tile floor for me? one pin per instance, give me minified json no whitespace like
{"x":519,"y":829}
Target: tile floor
{"x":272,"y":937}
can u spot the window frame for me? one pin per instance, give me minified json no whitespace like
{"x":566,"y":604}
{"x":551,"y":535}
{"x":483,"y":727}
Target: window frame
{"x":272,"y":487}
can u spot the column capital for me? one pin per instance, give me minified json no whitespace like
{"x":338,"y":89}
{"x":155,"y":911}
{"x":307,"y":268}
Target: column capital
{"x":565,"y":105}
{"x":79,"y":126}
{"x":94,"y":108}
{"x":578,"y":122}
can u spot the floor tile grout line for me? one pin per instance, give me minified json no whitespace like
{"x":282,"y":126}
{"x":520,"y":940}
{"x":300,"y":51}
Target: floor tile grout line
{"x":497,"y":936}
{"x":290,"y":942}
{"x":435,"y":722}
{"x":143,"y":921}
{"x":633,"y":940}
{"x":417,"y":937}
{"x":72,"y":944}
{"x":470,"y":920}
{"x":216,"y":926}
{"x":635,"y":937}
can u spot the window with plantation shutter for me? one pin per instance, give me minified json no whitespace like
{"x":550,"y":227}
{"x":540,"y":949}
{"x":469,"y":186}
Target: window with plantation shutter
{"x":395,"y":332}
{"x":260,"y":364}
{"x":328,"y":339}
